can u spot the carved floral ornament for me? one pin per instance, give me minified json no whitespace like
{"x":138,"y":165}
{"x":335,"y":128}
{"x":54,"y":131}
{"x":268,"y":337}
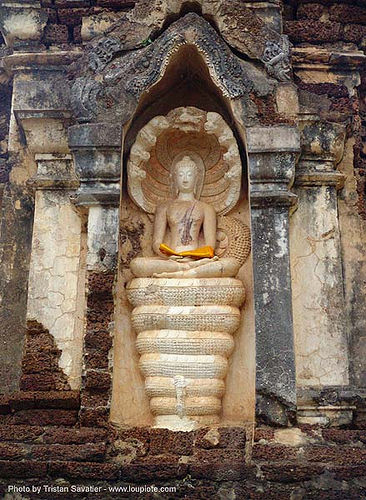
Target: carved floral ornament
{"x":188,"y":131}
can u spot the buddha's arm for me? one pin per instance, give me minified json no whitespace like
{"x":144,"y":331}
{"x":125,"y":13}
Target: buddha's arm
{"x":209,"y":226}
{"x":160,"y":226}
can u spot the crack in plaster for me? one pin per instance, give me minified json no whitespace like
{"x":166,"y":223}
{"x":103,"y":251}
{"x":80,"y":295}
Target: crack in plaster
{"x":53,"y":281}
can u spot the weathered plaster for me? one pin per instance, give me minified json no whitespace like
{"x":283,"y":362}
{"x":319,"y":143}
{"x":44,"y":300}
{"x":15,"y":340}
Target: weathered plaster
{"x":54,"y":273}
{"x":319,"y":320}
{"x":272,"y":153}
{"x":22,"y":22}
{"x":130,"y":404}
{"x":353,"y":241}
{"x":102,"y":238}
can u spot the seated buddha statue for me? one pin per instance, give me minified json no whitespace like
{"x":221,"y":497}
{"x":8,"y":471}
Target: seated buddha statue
{"x":184,"y":235}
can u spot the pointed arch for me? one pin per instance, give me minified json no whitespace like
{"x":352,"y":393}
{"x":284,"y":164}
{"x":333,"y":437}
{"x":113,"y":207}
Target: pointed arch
{"x":113,"y":81}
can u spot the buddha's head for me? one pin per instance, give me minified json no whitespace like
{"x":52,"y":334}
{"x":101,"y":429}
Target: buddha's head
{"x":185,"y":176}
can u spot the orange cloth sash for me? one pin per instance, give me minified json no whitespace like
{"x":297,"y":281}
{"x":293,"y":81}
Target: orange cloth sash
{"x":198,"y":253}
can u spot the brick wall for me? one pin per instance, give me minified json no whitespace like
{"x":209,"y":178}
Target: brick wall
{"x":65,"y":17}
{"x":334,"y":25}
{"x":300,"y":463}
{"x":97,"y":380}
{"x":325,"y":21}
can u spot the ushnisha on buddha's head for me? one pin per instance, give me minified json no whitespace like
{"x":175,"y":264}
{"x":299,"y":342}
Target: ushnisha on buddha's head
{"x":184,"y":176}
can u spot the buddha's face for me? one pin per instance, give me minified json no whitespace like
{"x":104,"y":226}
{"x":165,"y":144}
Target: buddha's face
{"x":186,"y":176}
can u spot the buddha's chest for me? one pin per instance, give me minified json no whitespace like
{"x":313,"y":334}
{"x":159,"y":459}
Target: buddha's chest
{"x":183,"y":215}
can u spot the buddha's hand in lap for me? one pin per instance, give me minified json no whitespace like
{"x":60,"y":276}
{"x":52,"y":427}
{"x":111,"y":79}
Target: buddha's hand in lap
{"x":188,"y":269}
{"x":201,"y":262}
{"x":179,"y":258}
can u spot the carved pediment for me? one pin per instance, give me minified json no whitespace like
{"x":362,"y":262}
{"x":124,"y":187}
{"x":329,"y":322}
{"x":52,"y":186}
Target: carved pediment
{"x":238,"y":24}
{"x":110,"y":81}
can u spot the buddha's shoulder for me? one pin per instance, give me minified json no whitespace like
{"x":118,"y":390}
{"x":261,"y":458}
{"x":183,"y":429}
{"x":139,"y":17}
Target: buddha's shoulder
{"x":160,"y":207}
{"x":206,"y":207}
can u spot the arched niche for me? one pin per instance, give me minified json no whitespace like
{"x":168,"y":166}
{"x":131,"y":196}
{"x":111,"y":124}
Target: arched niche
{"x":115,"y":90}
{"x":185,"y":82}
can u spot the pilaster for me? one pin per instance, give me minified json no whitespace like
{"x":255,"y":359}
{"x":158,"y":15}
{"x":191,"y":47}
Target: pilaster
{"x":96,"y":150}
{"x":316,"y":259}
{"x":272,"y":154}
{"x":56,"y":267}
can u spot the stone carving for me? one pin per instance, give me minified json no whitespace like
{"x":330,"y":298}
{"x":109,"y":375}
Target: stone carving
{"x":125,"y":78}
{"x":103,"y":53}
{"x":249,"y":34}
{"x":233,"y":239}
{"x":206,"y":138}
{"x":84,"y":95}
{"x":186,"y":309}
{"x":144,"y":67}
{"x":276,"y":59}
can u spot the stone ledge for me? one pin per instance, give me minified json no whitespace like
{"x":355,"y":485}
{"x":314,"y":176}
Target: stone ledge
{"x":97,"y":195}
{"x":272,"y":139}
{"x":317,"y":57}
{"x":325,"y":415}
{"x":331,"y":395}
{"x":35,"y":60}
{"x":95,"y":135}
{"x":320,"y":179}
{"x":281,"y":198}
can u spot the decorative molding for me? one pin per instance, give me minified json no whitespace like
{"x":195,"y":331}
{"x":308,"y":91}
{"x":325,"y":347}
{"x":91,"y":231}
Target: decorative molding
{"x":103,"y":53}
{"x":322,"y":147}
{"x":96,"y":149}
{"x":276,"y":59}
{"x":54,"y":172}
{"x":316,"y":178}
{"x":84,"y":94}
{"x":113,"y":82}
